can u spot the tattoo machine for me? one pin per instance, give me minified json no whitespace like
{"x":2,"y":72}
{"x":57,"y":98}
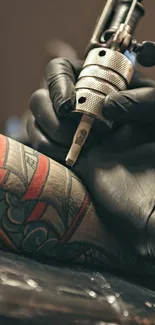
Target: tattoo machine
{"x":109,"y":66}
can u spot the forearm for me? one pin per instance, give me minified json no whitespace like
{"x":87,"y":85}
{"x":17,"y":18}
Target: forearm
{"x":45,"y":211}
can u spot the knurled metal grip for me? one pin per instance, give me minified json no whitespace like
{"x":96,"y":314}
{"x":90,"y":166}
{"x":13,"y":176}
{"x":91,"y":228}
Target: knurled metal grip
{"x":104,"y":71}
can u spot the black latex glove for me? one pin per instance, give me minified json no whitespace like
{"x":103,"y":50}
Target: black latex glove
{"x":118,"y":169}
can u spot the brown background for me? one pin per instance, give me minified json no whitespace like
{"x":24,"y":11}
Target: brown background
{"x":25,"y":26}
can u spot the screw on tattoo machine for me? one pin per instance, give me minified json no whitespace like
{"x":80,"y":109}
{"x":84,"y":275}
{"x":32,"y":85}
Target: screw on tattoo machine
{"x":109,"y":66}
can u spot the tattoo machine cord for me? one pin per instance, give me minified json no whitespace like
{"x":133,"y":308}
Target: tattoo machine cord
{"x":109,"y":66}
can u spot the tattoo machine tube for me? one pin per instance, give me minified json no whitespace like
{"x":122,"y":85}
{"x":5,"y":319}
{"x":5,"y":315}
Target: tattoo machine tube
{"x":107,"y":68}
{"x":79,"y":139}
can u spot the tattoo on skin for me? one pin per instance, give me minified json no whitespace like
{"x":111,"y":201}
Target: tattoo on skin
{"x":47,"y":213}
{"x":45,"y":210}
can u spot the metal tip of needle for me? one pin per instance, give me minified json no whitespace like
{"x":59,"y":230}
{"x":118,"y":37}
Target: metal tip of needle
{"x":70,"y":162}
{"x":79,"y":139}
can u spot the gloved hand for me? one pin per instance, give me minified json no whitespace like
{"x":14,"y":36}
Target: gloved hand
{"x":119,"y":168}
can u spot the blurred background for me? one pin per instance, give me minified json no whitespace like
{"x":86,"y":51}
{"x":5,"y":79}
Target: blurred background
{"x":32,"y":32}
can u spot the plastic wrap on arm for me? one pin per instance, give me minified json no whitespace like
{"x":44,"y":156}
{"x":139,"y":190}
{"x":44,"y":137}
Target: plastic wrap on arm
{"x":34,"y":293}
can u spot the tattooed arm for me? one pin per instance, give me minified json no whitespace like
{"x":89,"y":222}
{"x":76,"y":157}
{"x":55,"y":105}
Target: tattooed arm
{"x":45,"y":210}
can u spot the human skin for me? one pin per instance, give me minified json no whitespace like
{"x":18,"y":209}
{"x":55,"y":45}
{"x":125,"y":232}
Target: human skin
{"x":47,"y":214}
{"x":45,"y":210}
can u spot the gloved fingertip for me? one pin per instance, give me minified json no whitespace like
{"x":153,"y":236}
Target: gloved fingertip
{"x":58,"y":67}
{"x":140,"y":81}
{"x":60,"y":77}
{"x":114,"y":106}
{"x":65,"y":108}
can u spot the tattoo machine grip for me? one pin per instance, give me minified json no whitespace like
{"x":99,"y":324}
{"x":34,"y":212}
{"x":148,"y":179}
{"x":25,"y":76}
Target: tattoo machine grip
{"x":105,"y":70}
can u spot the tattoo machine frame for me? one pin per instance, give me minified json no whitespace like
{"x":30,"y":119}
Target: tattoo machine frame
{"x":109,"y":66}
